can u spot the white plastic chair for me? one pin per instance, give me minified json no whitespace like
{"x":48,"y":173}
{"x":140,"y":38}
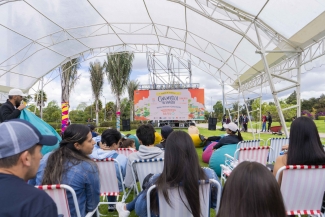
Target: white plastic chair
{"x":177,"y":198}
{"x":144,"y":167}
{"x":250,"y":143}
{"x":302,"y":188}
{"x":125,"y":151}
{"x":108,"y":179}
{"x":276,"y":144}
{"x":59,"y":195}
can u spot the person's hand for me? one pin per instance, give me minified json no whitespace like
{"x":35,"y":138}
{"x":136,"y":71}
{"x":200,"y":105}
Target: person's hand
{"x":285,"y":147}
{"x":22,"y":106}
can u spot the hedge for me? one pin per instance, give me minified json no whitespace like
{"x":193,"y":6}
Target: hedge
{"x":321,"y":117}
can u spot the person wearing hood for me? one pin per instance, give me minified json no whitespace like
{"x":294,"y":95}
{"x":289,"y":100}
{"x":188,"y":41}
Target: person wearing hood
{"x":147,"y":150}
{"x":165,"y":131}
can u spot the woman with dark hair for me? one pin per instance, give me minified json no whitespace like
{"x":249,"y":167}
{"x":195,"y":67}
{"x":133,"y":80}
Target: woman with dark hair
{"x":181,"y":165}
{"x":305,"y":147}
{"x":231,"y":138}
{"x":251,"y":190}
{"x":71,"y":165}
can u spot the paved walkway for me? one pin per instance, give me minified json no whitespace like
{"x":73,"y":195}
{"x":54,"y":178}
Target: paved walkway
{"x":205,"y":125}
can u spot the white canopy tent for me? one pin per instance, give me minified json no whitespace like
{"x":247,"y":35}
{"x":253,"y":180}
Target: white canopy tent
{"x":240,"y":43}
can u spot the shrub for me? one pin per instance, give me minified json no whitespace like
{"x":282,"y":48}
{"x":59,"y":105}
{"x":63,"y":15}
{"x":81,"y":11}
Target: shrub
{"x":307,"y":114}
{"x":321,"y":117}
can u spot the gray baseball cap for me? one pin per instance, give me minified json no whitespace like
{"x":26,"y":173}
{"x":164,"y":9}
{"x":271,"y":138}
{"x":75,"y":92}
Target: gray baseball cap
{"x":18,"y":135}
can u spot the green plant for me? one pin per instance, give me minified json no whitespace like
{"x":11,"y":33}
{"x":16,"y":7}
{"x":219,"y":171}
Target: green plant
{"x":321,"y":117}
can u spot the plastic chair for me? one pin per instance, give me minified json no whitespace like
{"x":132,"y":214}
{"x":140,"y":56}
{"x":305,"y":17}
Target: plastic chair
{"x":144,"y":167}
{"x":276,"y":145}
{"x":125,"y":151}
{"x":302,"y":188}
{"x":178,"y":198}
{"x":250,"y":143}
{"x":59,"y":195}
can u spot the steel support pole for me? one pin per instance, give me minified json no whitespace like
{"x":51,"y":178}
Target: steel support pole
{"x":298,"y":92}
{"x":274,"y":93}
{"x":42,"y":99}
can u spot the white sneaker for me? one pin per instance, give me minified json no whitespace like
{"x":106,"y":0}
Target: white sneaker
{"x":121,"y":211}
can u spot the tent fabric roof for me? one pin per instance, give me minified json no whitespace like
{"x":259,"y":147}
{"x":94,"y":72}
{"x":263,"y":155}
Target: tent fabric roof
{"x":218,"y":37}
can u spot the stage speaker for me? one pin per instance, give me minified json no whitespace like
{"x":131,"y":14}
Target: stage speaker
{"x":212,"y":124}
{"x":126,"y":125}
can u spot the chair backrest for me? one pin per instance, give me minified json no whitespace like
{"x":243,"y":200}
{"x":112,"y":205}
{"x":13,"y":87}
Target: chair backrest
{"x":59,"y":195}
{"x":250,"y":143}
{"x":302,"y":188}
{"x":125,"y":151}
{"x":276,"y":145}
{"x":144,"y":167}
{"x":256,"y":154}
{"x":107,"y":176}
{"x":178,"y":198}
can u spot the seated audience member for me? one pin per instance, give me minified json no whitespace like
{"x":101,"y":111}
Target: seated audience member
{"x":92,"y":129}
{"x":127,"y":143}
{"x":71,"y":165}
{"x":305,"y":147}
{"x":231,"y":138}
{"x":147,"y":150}
{"x":192,"y":129}
{"x":20,"y":155}
{"x":181,"y":165}
{"x":165,"y":131}
{"x":251,"y":190}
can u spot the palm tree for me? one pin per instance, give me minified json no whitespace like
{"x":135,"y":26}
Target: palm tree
{"x":132,"y":86}
{"x":38,"y":99}
{"x":96,"y":70}
{"x":110,"y":109}
{"x":118,"y":69}
{"x":69,"y":76}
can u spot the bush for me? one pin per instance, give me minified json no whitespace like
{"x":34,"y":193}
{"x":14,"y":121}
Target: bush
{"x":321,"y":117}
{"x":307,"y":114}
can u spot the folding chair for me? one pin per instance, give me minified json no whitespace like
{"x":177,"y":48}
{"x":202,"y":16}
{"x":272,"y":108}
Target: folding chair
{"x":276,"y":144}
{"x":125,"y":151}
{"x":177,"y":197}
{"x":302,"y":188}
{"x":144,"y":167}
{"x":108,"y":179}
{"x":59,"y":195}
{"x":250,"y":143}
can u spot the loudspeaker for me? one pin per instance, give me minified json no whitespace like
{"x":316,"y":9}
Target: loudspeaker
{"x":212,"y":127}
{"x":212,"y":124}
{"x":126,"y":125}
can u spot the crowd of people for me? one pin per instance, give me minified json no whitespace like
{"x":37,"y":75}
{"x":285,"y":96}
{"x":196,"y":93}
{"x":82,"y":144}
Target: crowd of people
{"x":72,"y":164}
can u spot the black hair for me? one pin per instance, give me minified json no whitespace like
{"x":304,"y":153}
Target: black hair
{"x":126,"y":143}
{"x":91,"y":127}
{"x":181,"y":165}
{"x":305,"y":147}
{"x":251,"y":190}
{"x":146,"y":134}
{"x":192,"y":124}
{"x":11,"y":97}
{"x":111,"y":136}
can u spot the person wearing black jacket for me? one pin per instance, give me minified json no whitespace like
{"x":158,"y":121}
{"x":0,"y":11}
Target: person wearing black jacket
{"x":269,"y":120}
{"x":231,"y":138}
{"x":12,"y":108}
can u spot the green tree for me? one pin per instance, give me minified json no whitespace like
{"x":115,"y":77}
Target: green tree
{"x":52,"y":112}
{"x":125,"y":107}
{"x":28,"y":98}
{"x":96,"y":70}
{"x":218,"y":109}
{"x":118,"y":70}
{"x":82,"y":106}
{"x":69,"y":77}
{"x":110,"y":110}
{"x":292,"y":98}
{"x":38,"y":99}
{"x":132,"y":86}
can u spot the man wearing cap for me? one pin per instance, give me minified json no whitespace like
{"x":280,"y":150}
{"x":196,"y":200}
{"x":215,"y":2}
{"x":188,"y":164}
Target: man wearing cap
{"x":165,"y":131}
{"x":12,"y":108}
{"x":231,"y":138}
{"x":20,"y":146}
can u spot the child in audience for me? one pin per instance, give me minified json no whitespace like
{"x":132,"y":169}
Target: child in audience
{"x":251,"y":190}
{"x":305,"y":147}
{"x":181,"y":165}
{"x":70,"y":165}
{"x":127,"y":143}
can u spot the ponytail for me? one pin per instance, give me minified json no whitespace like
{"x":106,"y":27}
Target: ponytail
{"x":240,"y":138}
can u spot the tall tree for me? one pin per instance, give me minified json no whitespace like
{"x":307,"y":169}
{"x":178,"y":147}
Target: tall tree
{"x":38,"y":99}
{"x":132,"y":86}
{"x":118,"y":70}
{"x":292,"y":98}
{"x":69,"y":77}
{"x":96,"y":70}
{"x":218,"y":109}
{"x":110,"y":109}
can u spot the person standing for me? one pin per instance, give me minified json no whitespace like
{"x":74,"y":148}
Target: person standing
{"x":263,"y":123}
{"x":245,"y":121}
{"x":12,"y":108}
{"x":20,"y":155}
{"x":269,"y":120}
{"x":241,"y":122}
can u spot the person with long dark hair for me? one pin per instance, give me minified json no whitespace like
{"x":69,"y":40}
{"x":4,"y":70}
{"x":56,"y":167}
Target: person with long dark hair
{"x":71,"y":165}
{"x":181,"y":165}
{"x":305,"y":147}
{"x":251,"y":190}
{"x":231,"y":138}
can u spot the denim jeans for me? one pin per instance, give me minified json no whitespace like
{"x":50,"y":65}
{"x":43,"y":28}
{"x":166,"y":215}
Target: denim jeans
{"x":264,"y":126}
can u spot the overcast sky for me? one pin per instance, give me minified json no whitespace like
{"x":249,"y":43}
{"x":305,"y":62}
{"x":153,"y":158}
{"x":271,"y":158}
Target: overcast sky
{"x":312,"y":85}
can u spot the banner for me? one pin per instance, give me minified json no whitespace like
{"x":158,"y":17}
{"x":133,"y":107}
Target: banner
{"x":182,"y":104}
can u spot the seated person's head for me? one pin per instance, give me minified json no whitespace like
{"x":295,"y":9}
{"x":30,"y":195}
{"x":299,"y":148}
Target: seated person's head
{"x":251,"y":190}
{"x":111,"y":138}
{"x":146,"y":134}
{"x":192,"y":124}
{"x":231,"y":128}
{"x":165,"y":131}
{"x":91,"y":127}
{"x":127,"y":143}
